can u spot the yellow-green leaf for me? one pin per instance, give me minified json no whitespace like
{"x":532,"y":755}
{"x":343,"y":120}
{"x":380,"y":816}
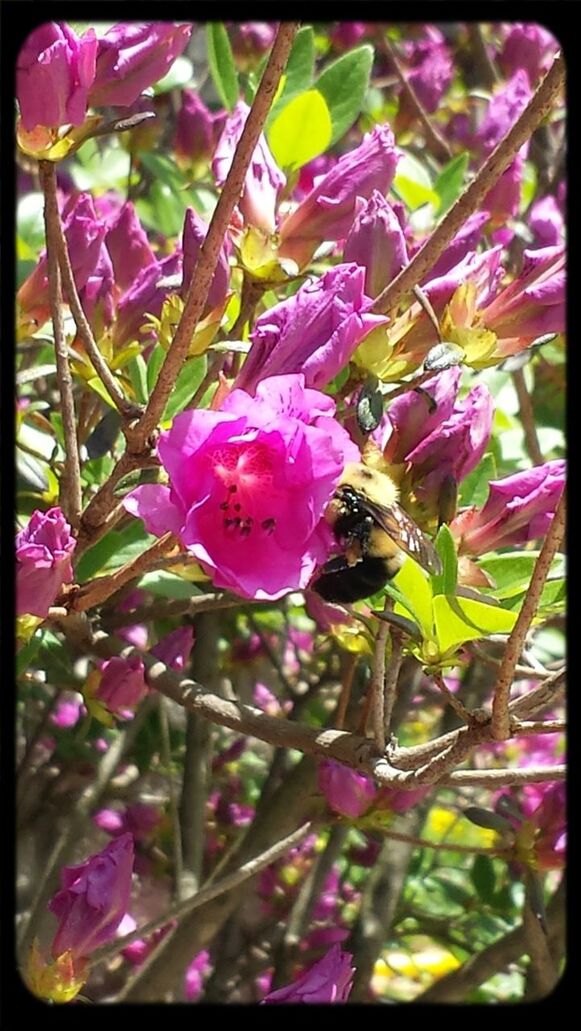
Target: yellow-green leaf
{"x":301,"y":131}
{"x":461,"y":619}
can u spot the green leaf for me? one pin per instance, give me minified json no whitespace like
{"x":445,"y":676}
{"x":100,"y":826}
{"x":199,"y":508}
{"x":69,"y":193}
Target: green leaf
{"x":553,"y":599}
{"x":186,"y":385}
{"x":512,"y":572}
{"x":168,"y":585}
{"x":417,"y":592}
{"x":298,"y":74}
{"x":114,"y":544}
{"x":474,"y":488}
{"x":450,"y":181}
{"x":483,"y":877}
{"x":460,"y":619}
{"x":343,"y":84}
{"x":154,"y":364}
{"x":221,"y":62}
{"x":445,"y":582}
{"x":26,"y":655}
{"x":137,"y":370}
{"x":412,"y":183}
{"x":301,"y":131}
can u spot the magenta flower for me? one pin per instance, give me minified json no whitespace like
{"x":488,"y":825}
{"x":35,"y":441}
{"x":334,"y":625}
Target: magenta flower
{"x":122,"y":684}
{"x":502,"y":112}
{"x":174,"y":649}
{"x":194,"y":234}
{"x":377,"y":242}
{"x":329,"y":980}
{"x":43,"y":561}
{"x":346,"y":34}
{"x":264,"y":179}
{"x":328,"y":211}
{"x":518,"y":509}
{"x":137,"y":951}
{"x":466,"y":240}
{"x":197,"y":970}
{"x":530,"y":47}
{"x":128,"y":246}
{"x":145,"y":297}
{"x":138,"y":819}
{"x":347,"y":792}
{"x":532,"y":305}
{"x":413,"y":418}
{"x":503,"y":201}
{"x":132,"y":56}
{"x":546,"y":222}
{"x":430,"y":68}
{"x":93,"y":899}
{"x":195,"y":137}
{"x":250,"y":40}
{"x":550,"y":822}
{"x":249,"y":485}
{"x":311,"y":173}
{"x":395,"y":800}
{"x":54,"y":72}
{"x":68,"y":710}
{"x":314,"y":332}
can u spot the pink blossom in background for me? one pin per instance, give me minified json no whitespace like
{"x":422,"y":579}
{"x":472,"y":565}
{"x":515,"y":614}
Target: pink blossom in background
{"x":346,"y":791}
{"x":131,"y":56}
{"x":197,"y":971}
{"x":122,"y":685}
{"x":249,"y":485}
{"x":314,"y":332}
{"x":54,"y":71}
{"x":68,"y":710}
{"x":264,"y":179}
{"x":430,"y":68}
{"x":140,"y":819}
{"x":194,"y":234}
{"x":137,"y":951}
{"x":396,"y":800}
{"x":346,"y":34}
{"x":529,"y":47}
{"x":43,"y":561}
{"x":196,"y":134}
{"x":329,"y":980}
{"x":145,"y":297}
{"x":546,"y":222}
{"x":175,"y":648}
{"x":128,"y":246}
{"x":250,"y":40}
{"x":93,"y":899}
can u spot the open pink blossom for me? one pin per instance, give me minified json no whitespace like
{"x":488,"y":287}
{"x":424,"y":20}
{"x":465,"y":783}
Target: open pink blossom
{"x":329,"y":980}
{"x":347,"y":792}
{"x":249,"y":485}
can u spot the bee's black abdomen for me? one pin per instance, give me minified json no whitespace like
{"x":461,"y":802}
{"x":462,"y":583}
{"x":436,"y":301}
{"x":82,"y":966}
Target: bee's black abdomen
{"x":342,"y":583}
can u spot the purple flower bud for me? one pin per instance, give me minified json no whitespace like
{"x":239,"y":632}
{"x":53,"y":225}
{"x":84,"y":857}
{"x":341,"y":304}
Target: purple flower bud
{"x":530,"y":47}
{"x":546,"y":222}
{"x":347,"y":792}
{"x":128,"y":246}
{"x":122,"y":684}
{"x":264,"y":179}
{"x":250,"y":40}
{"x":503,"y":201}
{"x":431,"y":68}
{"x":132,"y":56}
{"x":194,"y":234}
{"x":43,"y":561}
{"x":327,"y":212}
{"x":315,"y":331}
{"x":454,"y":448}
{"x":346,"y":34}
{"x":145,"y":297}
{"x":466,"y":240}
{"x":395,"y":800}
{"x":329,"y":980}
{"x":197,"y":970}
{"x":532,"y":305}
{"x":54,"y":72}
{"x":174,"y":649}
{"x":195,"y":137}
{"x":503,"y":110}
{"x":93,"y":899}
{"x":518,"y":509}
{"x":416,"y":414}
{"x":377,"y":242}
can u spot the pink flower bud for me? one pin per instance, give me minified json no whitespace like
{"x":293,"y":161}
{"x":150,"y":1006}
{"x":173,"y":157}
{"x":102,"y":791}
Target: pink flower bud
{"x":145,"y":297}
{"x":93,"y":899}
{"x":122,"y":684}
{"x":195,"y":137}
{"x":128,"y":246}
{"x":54,"y":72}
{"x":264,"y":179}
{"x":132,"y":56}
{"x":377,"y":242}
{"x":43,"y":561}
{"x":347,"y":792}
{"x":175,"y":648}
{"x":530,"y":47}
{"x":194,"y":234}
{"x":532,"y":305}
{"x":329,"y":980}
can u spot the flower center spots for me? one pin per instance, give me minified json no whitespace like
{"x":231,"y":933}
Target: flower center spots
{"x":245,"y":473}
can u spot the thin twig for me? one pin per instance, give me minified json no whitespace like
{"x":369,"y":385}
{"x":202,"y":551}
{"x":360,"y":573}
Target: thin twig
{"x":433,"y":138}
{"x":515,"y":643}
{"x":176,"y":837}
{"x":97,"y":591}
{"x":245,"y":872}
{"x":210,"y":250}
{"x":527,"y":418}
{"x":392,"y":677}
{"x":468,"y":202}
{"x":70,"y":495}
{"x":377,"y":685}
{"x":501,"y":778}
{"x":167,"y":608}
{"x":443,"y":846}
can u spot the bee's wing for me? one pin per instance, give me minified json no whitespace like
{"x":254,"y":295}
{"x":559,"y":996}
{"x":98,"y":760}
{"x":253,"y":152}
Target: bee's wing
{"x":407,"y":535}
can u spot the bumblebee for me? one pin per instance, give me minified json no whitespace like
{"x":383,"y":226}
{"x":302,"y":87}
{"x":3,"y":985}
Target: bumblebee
{"x":375,"y":534}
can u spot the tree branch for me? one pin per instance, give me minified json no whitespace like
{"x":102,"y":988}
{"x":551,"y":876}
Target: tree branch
{"x":433,"y":138}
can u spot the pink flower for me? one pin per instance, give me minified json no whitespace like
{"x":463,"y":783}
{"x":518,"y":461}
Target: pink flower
{"x":122,"y":684}
{"x":132,"y":56}
{"x":138,"y":951}
{"x":43,"y":561}
{"x":197,"y":970}
{"x":264,"y":179}
{"x":398,"y":801}
{"x":174,"y":649}
{"x":93,"y":899}
{"x":329,"y":980}
{"x":518,"y":509}
{"x":54,"y":72}
{"x":194,"y":234}
{"x":68,"y":710}
{"x":139,"y":819}
{"x":327,"y":212}
{"x":413,"y":416}
{"x":530,"y":47}
{"x":195,"y":137}
{"x":532,"y":305}
{"x":314,"y":332}
{"x":430,"y":70}
{"x":466,"y":240}
{"x":249,"y":485}
{"x":250,"y":40}
{"x":546,"y":222}
{"x":347,"y":792}
{"x":145,"y":297}
{"x":506,"y":105}
{"x":377,"y":242}
{"x":128,"y":246}
{"x":346,"y":34}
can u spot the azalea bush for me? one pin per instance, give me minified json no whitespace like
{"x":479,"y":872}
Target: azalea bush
{"x":251,"y":256}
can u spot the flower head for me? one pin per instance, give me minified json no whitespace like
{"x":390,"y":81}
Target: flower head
{"x":122,"y":684}
{"x":329,"y":980}
{"x":546,"y":222}
{"x":174,"y":649}
{"x":132,"y":56}
{"x":54,"y":72}
{"x":43,"y":561}
{"x":250,"y":40}
{"x":128,"y":246}
{"x":197,"y":970}
{"x":249,"y":485}
{"x":145,"y":297}
{"x":195,"y":137}
{"x":532,"y":305}
{"x":347,"y":792}
{"x":194,"y":234}
{"x":264,"y":179}
{"x":93,"y":899}
{"x":530,"y":47}
{"x":377,"y":242}
{"x":314,"y":332}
